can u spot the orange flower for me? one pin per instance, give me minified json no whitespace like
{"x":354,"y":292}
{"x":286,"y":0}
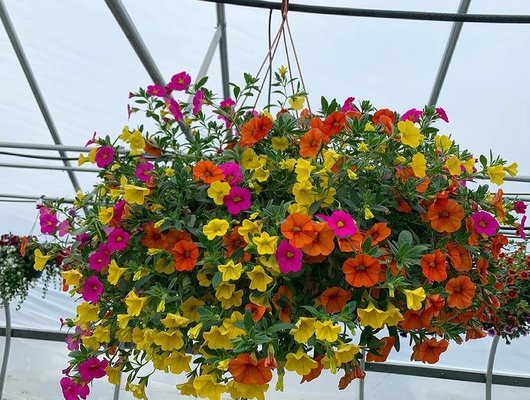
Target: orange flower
{"x":445,"y":216}
{"x":173,"y":236}
{"x":245,"y":369}
{"x":459,"y":256}
{"x":207,"y":172}
{"x":185,"y":253}
{"x":152,"y":237}
{"x":378,"y":232}
{"x":434,"y":304}
{"x":350,"y":243}
{"x":23,"y":245}
{"x":434,"y":266}
{"x":416,"y":320}
{"x":255,"y":130}
{"x":315,"y":372}
{"x":152,"y":149}
{"x":482,"y":269}
{"x":386,"y":345}
{"x":322,"y":243}
{"x":233,"y":242}
{"x":461,"y":292}
{"x":473,"y":235}
{"x":257,"y":311}
{"x":356,"y":373}
{"x":475,"y":333}
{"x":282,"y":301}
{"x":423,"y":185}
{"x":361,"y":271}
{"x":299,"y":229}
{"x":403,"y":205}
{"x":498,"y":242}
{"x":429,"y":351}
{"x":333,"y":124}
{"x":376,"y":119}
{"x":334,"y":299}
{"x":310,"y":143}
{"x":497,"y":204}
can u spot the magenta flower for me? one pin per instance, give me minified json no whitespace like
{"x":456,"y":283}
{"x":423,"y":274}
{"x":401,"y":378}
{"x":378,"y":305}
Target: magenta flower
{"x":143,"y":171}
{"x":484,"y":223}
{"x":198,"y":101}
{"x":226,"y":105}
{"x":519,"y":207}
{"x":84,"y":390}
{"x":520,"y":229}
{"x":69,"y":388}
{"x":118,"y":210}
{"x":156,"y":90}
{"x":104,"y":156}
{"x":82,"y":240}
{"x":289,"y":258}
{"x":92,"y":289}
{"x":412,"y":115}
{"x":342,"y":223}
{"x":179,"y":82}
{"x":440,"y":112}
{"x":174,"y":109}
{"x":117,"y":240}
{"x":92,"y":369}
{"x":237,"y":200}
{"x":92,"y":140}
{"x":348,"y":105}
{"x":64,"y":228}
{"x":48,"y":222}
{"x":99,"y":259}
{"x":232,"y":171}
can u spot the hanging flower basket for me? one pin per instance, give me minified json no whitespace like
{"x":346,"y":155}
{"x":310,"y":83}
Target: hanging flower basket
{"x":284,"y":239}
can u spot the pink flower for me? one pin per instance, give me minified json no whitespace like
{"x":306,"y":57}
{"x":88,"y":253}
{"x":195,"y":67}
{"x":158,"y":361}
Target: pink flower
{"x":48,"y":222}
{"x":440,"y":112}
{"x":179,"y":82}
{"x":412,"y":115}
{"x":174,"y":109}
{"x":69,"y":388}
{"x":520,"y":229}
{"x":484,"y":223}
{"x":82,"y":240}
{"x":143,"y":171}
{"x":117,"y":240}
{"x":198,"y":101}
{"x":92,"y":369}
{"x":92,"y":289}
{"x":232,"y":171}
{"x":156,"y":90}
{"x":99,"y":259}
{"x":226,"y":105}
{"x":519,"y":207}
{"x":84,"y":390}
{"x":92,"y":140}
{"x":237,"y":200}
{"x":342,"y":223}
{"x":289,"y":258}
{"x":348,"y":105}
{"x":104,"y":156}
{"x":64,"y":227}
{"x":118,"y":211}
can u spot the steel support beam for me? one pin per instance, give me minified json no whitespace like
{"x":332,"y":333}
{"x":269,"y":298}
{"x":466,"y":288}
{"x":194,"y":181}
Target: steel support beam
{"x":223,"y":50}
{"x":34,"y":198}
{"x":51,"y":147}
{"x":68,"y":168}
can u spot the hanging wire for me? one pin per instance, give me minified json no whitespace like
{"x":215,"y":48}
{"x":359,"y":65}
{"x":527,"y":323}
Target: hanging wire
{"x":270,"y":58}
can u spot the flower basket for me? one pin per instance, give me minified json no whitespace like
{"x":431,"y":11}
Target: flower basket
{"x":281,"y":240}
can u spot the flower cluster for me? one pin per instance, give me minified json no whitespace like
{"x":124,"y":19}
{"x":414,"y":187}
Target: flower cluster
{"x":274,"y":243}
{"x":18,"y":256}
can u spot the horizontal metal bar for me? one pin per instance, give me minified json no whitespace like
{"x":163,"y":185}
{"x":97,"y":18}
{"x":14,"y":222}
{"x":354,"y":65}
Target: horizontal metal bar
{"x":520,"y":178}
{"x":50,"y":167}
{"x":35,"y":334}
{"x":391,"y":14}
{"x":35,"y":198}
{"x":52,"y":147}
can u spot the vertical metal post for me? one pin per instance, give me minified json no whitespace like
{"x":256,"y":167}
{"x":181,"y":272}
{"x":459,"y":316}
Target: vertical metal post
{"x":7,"y":347}
{"x":361,"y":381}
{"x":223,"y":49}
{"x":448,"y":54}
{"x":489,"y":370}
{"x":117,"y":390}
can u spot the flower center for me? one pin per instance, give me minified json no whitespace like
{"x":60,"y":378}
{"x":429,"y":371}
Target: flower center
{"x":482,"y":224}
{"x":237,"y":199}
{"x":289,"y":254}
{"x":444,"y":214}
{"x":296,"y":229}
{"x":340,"y":224}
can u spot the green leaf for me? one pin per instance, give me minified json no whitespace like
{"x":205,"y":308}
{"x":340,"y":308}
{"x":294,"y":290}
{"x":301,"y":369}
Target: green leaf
{"x":249,"y":321}
{"x":405,"y":237}
{"x":281,"y":326}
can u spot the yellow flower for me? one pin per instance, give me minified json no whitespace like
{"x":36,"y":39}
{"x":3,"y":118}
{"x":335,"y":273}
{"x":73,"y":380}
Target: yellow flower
{"x":369,"y":127}
{"x":282,"y":71}
{"x":303,"y":169}
{"x":511,"y":169}
{"x":243,"y":391}
{"x":91,"y":157}
{"x":368,"y":214}
{"x":410,"y":133}
{"x":124,"y":335}
{"x":169,"y":340}
{"x":419,"y":165}
{"x":288,"y":164}
{"x":134,"y":303}
{"x":194,"y":332}
{"x":203,"y":278}
{"x":443,"y":143}
{"x":134,"y":194}
{"x":296,"y":102}
{"x":381,"y":148}
{"x":230,"y":271}
{"x":305,"y":327}
{"x":187,"y":389}
{"x":164,"y":266}
{"x":362,"y":147}
{"x":105,"y":215}
{"x":189,"y":308}
{"x":115,"y":273}
{"x":400,"y":160}
{"x":352,"y":175}
{"x":174,"y":321}
{"x":177,"y":362}
{"x":259,"y":279}
{"x":123,"y":320}
{"x":41,"y":260}
{"x":217,"y":191}
{"x":217,"y":338}
{"x":249,"y":159}
{"x":228,"y":324}
{"x":394,"y":316}
{"x":300,"y":362}
{"x":265,"y":244}
{"x":206,"y":387}
{"x":113,"y":374}
{"x":303,"y":193}
{"x":496,"y":174}
{"x":234,"y":301}
{"x":414,"y":298}
{"x":297,"y":208}
{"x":224,"y":290}
{"x":371,"y":316}
{"x":87,"y":312}
{"x":453,"y":165}
{"x":469,"y":165}
{"x":327,"y":331}
{"x":270,"y":264}
{"x":136,"y":140}
{"x":72,"y":277}
{"x":280,"y":143}
{"x":169,"y":172}
{"x":90,"y":342}
{"x":101,"y":334}
{"x":261,"y":174}
{"x":330,"y":159}
{"x":346,"y":352}
{"x":214,"y":228}
{"x":138,"y":391}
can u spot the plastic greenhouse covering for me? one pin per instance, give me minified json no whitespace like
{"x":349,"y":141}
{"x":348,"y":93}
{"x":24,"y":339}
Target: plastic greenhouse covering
{"x":86,"y":67}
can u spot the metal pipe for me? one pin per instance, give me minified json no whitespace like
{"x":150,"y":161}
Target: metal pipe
{"x":52,"y":147}
{"x":361,"y":381}
{"x":117,"y":389}
{"x":223,"y":50}
{"x":489,"y":370}
{"x":126,"y":24}
{"x":30,"y":77}
{"x":373,"y":13}
{"x":7,"y":348}
{"x":520,"y":178}
{"x":448,"y":54}
{"x":50,"y":167}
{"x":35,"y":198}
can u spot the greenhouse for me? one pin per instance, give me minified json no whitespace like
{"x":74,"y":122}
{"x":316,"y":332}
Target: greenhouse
{"x":248,"y":199}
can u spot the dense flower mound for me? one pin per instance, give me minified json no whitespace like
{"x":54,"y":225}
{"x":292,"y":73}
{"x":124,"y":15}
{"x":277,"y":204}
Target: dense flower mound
{"x":275,"y":243}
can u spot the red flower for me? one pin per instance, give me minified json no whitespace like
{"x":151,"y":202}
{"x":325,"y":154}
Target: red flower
{"x":245,"y":369}
{"x":255,"y":130}
{"x":185,"y":253}
{"x":361,"y":271}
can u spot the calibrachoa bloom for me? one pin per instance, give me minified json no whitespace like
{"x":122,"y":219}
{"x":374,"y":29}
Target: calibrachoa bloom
{"x":266,"y":243}
{"x":104,"y":156}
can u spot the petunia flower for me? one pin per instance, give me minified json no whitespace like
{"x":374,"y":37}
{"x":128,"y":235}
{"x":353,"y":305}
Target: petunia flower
{"x":411,"y":115}
{"x":99,"y":259}
{"x":414,"y":298}
{"x":520,"y":229}
{"x":117,"y":240}
{"x":69,"y":388}
{"x":348,"y":105}
{"x":143,"y":171}
{"x":440,"y":112}
{"x":92,"y":289}
{"x":104,"y":156}
{"x":91,"y":369}
{"x":156,"y":90}
{"x":342,"y":223}
{"x":214,"y":228}
{"x":198,"y":101}
{"x":174,"y":109}
{"x":237,"y":200}
{"x":289,"y":258}
{"x":519,"y":207}
{"x":179,"y":82}
{"x":48,"y":222}
{"x":232,"y":172}
{"x":484,"y":223}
